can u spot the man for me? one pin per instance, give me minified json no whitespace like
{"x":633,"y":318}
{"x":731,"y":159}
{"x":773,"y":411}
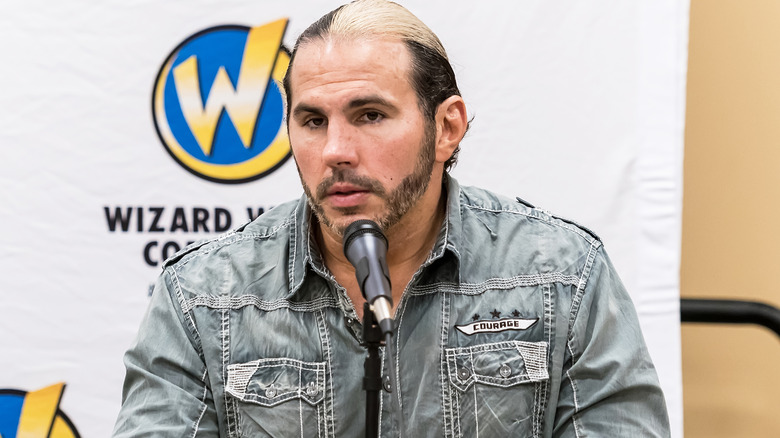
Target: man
{"x":509,"y":322}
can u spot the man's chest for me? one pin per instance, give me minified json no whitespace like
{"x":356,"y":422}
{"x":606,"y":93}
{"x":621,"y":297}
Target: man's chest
{"x":470,"y":358}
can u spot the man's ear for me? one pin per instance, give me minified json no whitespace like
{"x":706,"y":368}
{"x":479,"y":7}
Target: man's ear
{"x":451,"y":125}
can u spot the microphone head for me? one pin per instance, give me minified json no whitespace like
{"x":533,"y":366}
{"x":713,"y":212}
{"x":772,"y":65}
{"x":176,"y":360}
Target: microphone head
{"x":361,"y":228}
{"x":366,"y":249}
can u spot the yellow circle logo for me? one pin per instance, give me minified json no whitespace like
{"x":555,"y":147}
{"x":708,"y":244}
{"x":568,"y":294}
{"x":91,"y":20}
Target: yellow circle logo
{"x":218,"y":106}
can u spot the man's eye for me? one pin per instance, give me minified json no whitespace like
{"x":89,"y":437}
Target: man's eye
{"x":372,"y":116}
{"x":314,"y":122}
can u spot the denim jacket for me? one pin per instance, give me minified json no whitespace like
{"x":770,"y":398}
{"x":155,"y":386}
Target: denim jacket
{"x":516,"y":325}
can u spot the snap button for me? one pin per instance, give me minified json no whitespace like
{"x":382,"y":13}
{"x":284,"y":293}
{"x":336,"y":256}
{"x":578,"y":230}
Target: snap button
{"x":463,"y":373}
{"x":311,"y":389}
{"x":270,"y":392}
{"x":386,"y":384}
{"x":505,"y":371}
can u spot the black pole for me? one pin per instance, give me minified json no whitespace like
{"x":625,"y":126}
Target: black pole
{"x":372,"y":369}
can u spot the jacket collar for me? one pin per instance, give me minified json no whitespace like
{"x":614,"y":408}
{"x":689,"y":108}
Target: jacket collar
{"x":304,"y":254}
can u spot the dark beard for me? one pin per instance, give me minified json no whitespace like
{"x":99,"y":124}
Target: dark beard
{"x":399,"y":201}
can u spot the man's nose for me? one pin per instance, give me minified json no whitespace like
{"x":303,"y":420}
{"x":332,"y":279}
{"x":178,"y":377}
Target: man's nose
{"x":341,"y":145}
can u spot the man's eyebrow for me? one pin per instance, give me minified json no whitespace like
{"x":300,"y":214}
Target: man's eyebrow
{"x":369,"y":100}
{"x":303,"y":108}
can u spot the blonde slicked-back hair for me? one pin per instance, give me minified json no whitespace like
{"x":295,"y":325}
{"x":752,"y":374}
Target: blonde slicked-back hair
{"x":382,"y":18}
{"x":431,"y":75}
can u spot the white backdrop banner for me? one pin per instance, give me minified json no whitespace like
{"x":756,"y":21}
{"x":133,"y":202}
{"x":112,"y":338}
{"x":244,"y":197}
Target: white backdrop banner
{"x":114,"y":156}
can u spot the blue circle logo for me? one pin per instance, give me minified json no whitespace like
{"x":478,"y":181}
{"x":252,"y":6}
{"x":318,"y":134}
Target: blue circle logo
{"x":218,"y":105}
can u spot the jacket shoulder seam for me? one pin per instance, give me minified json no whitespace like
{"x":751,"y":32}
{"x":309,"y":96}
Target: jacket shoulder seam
{"x":537,"y":214}
{"x":207,"y":246}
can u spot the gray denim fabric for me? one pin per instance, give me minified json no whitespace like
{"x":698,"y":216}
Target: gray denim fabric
{"x":516,"y":325}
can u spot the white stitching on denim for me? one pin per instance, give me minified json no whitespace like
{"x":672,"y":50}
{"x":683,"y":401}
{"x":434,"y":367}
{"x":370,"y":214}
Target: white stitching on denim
{"x":574,"y":392}
{"x":571,"y":353}
{"x":300,"y":399}
{"x":446,"y":230}
{"x":474,"y":388}
{"x":328,"y":402}
{"x":230,"y":405}
{"x":582,"y":283}
{"x":548,"y":313}
{"x":549,"y":220}
{"x":534,"y":426}
{"x":382,"y":358}
{"x":197,"y":422}
{"x":196,"y":334}
{"x":227,"y":239}
{"x":532,"y":347}
{"x":293,"y":249}
{"x":576,"y":425}
{"x":453,"y":396}
{"x":320,"y":414}
{"x":441,"y":242}
{"x":496,"y":283}
{"x":446,"y":410}
{"x":232,"y":428}
{"x":535,"y":358}
{"x":400,"y":311}
{"x":549,"y":316}
{"x":577,"y":299}
{"x":457,"y":413}
{"x":276,"y":361}
{"x":235,"y":303}
{"x":196,"y":426}
{"x":186,"y":313}
{"x":238,"y":377}
{"x":541,"y":406}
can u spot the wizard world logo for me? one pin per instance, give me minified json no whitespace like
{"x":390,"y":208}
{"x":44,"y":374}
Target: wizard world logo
{"x":34,"y":414}
{"x":218,"y":106}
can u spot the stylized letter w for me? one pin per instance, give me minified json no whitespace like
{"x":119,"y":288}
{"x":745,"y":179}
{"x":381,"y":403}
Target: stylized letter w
{"x":241,"y":103}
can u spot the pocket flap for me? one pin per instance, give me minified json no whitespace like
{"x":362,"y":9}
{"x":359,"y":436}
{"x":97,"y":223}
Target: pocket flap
{"x":501,"y":364}
{"x":269,"y":382}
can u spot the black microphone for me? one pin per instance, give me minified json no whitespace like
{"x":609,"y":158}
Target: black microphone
{"x":366,"y":249}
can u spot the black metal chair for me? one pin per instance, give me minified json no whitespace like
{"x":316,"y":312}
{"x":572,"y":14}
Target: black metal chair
{"x":730,"y":312}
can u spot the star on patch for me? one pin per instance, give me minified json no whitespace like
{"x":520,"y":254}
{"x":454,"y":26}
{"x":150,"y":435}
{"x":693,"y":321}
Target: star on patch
{"x":516,"y":314}
{"x":495,"y":313}
{"x":475,"y":317}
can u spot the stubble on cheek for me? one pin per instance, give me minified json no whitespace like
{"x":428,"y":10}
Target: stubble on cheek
{"x":396,"y":202}
{"x":340,"y":176}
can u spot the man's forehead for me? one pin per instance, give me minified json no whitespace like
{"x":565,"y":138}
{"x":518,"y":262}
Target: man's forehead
{"x":352,"y":51}
{"x":335,"y":60}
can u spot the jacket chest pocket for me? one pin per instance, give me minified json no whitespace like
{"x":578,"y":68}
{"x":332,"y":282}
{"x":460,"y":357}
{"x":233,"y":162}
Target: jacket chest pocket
{"x":278,"y":397}
{"x":496,"y":389}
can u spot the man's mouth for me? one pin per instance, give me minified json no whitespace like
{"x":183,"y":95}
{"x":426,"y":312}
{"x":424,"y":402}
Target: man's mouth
{"x":341,"y":189}
{"x":347,"y":195}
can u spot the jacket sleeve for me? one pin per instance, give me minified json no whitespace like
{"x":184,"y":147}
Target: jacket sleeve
{"x":609,"y":385}
{"x":166,"y":391}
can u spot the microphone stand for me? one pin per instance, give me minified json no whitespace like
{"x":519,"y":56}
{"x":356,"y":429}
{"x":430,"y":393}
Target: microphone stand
{"x":372,"y":369}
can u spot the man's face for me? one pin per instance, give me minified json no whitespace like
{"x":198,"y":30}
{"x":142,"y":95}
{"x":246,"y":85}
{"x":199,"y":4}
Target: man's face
{"x":361,"y":143}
